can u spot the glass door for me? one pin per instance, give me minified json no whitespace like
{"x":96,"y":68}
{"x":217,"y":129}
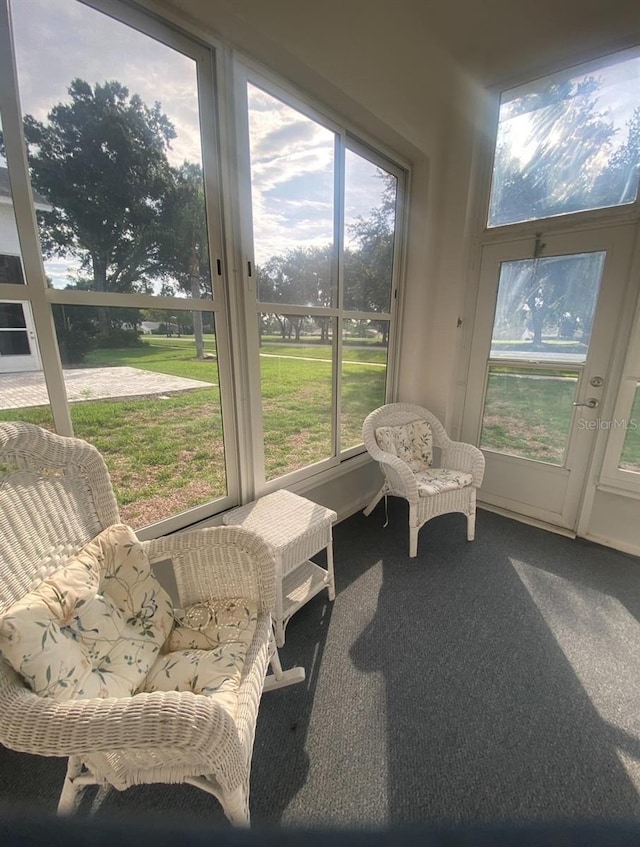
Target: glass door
{"x":545,"y":327}
{"x":18,"y":346}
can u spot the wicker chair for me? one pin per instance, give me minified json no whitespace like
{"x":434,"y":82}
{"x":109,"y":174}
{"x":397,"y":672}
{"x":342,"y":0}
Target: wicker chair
{"x":426,"y":492}
{"x":55,"y":496}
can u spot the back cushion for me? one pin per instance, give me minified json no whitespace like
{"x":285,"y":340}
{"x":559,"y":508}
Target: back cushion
{"x":94,"y":627}
{"x":411,"y":442}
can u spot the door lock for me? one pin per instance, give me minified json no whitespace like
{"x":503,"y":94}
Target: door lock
{"x":591,"y":403}
{"x":596,"y":381}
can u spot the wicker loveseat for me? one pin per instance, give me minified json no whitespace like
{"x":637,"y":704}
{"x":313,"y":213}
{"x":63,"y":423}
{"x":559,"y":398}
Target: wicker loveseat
{"x":119,"y":728}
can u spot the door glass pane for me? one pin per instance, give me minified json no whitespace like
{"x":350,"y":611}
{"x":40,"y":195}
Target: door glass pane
{"x":292,"y":176}
{"x":23,"y":394}
{"x":630,"y":459}
{"x":544,"y":313}
{"x":365,"y":348}
{"x":296,"y":366}
{"x":112,"y":125}
{"x":369,"y":227}
{"x":568,"y":143}
{"x":545,"y":307}
{"x":11,"y":269}
{"x":12,"y":316}
{"x":151,"y":406}
{"x":528,"y":413}
{"x":19,"y":356}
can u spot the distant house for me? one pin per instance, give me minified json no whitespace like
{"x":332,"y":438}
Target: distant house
{"x":18,"y":346}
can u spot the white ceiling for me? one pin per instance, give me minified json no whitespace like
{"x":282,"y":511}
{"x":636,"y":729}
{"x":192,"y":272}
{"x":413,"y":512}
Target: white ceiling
{"x":496,"y":41}
{"x":499,"y":40}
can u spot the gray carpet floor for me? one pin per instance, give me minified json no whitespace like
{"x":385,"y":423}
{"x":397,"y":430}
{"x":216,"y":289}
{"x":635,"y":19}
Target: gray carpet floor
{"x":497,"y":681}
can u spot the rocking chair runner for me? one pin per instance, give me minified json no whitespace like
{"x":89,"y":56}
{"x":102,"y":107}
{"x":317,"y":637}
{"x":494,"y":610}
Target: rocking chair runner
{"x":55,"y":497}
{"x":401,"y":438}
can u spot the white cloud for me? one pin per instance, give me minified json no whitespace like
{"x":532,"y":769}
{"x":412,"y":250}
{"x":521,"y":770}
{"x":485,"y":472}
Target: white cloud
{"x":59,"y":40}
{"x":292,"y":156}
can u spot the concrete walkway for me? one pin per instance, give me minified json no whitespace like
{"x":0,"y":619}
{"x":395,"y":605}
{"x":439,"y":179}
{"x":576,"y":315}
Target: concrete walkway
{"x":20,"y":390}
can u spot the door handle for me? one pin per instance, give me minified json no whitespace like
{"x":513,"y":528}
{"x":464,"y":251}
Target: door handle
{"x":591,"y":403}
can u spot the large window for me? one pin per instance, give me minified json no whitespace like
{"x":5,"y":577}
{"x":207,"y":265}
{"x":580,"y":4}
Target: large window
{"x":147,"y":346}
{"x":325,"y":235}
{"x":112,"y":122}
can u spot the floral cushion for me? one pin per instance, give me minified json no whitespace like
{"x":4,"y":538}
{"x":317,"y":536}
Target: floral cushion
{"x":94,"y":627}
{"x":437,"y":480}
{"x":206,"y":651}
{"x":411,"y":442}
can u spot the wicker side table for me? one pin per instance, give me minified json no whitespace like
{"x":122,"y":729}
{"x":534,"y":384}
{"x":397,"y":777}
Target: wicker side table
{"x":297,"y":529}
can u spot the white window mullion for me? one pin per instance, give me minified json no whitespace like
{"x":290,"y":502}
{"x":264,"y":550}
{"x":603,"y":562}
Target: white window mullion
{"x":243,"y":293}
{"x":339,"y":182}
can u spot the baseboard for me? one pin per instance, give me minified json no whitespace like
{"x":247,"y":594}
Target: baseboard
{"x":558,"y":530}
{"x":613,"y":544}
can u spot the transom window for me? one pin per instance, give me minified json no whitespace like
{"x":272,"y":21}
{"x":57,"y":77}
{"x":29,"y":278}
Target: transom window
{"x":569,"y":142}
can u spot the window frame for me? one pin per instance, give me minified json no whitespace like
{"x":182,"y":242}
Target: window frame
{"x":246,"y":72}
{"x":613,"y":477}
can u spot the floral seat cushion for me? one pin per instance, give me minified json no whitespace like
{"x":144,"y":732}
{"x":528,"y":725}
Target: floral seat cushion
{"x":206,"y":651}
{"x":437,"y":480}
{"x":94,"y":627}
{"x":411,"y":442}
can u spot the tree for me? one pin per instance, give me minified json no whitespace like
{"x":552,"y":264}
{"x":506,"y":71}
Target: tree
{"x":183,"y":245}
{"x":618,"y":183}
{"x":301,"y":276}
{"x":368,"y":270}
{"x":567,"y":139}
{"x":548,"y":297}
{"x":101,"y":162}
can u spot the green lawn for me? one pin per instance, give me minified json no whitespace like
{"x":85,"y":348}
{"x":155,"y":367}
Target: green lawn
{"x":630,"y":460}
{"x":528,"y":415}
{"x":165,"y":453}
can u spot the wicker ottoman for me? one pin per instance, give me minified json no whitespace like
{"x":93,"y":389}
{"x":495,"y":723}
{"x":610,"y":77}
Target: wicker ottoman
{"x":297,"y":529}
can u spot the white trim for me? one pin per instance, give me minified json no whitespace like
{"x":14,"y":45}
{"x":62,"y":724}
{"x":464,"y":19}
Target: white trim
{"x":615,"y":543}
{"x":526,"y":519}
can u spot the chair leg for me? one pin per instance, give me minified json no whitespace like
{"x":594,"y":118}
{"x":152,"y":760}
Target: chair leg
{"x":413,"y":542}
{"x":72,"y":788}
{"x":235,"y":805}
{"x":374,"y":502}
{"x":279,"y":678}
{"x":471,"y":525}
{"x":278,"y":627}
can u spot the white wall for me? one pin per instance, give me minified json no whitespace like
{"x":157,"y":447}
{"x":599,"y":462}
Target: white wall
{"x":9,"y":243}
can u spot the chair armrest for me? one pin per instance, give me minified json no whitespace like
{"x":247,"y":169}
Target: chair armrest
{"x":177,"y":719}
{"x":400,"y":478}
{"x":459,"y":456}
{"x":223,"y":561}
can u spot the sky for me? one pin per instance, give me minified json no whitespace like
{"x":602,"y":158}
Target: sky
{"x":291,"y":155}
{"x":618,"y":95}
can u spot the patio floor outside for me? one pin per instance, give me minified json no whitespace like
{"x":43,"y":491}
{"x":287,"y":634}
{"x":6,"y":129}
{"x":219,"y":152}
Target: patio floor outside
{"x":22,"y":390}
